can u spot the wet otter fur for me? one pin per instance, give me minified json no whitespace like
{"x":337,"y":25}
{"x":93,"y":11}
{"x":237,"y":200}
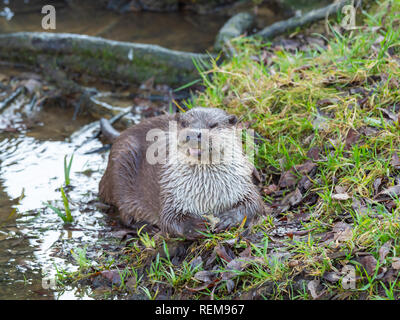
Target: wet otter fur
{"x":178,"y":194}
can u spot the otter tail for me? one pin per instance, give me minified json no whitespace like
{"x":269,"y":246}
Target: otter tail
{"x":108,"y":131}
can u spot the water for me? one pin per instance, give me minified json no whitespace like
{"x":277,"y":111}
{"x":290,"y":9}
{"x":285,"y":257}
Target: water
{"x":181,"y":31}
{"x":31,"y":173}
{"x":34,"y":242}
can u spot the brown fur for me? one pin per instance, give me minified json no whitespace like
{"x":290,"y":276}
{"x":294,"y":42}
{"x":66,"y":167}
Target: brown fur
{"x":133,"y":185}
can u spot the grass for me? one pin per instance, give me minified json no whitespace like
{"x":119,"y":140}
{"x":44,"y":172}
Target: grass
{"x":335,"y":106}
{"x":66,"y":216}
{"x":67,"y":170}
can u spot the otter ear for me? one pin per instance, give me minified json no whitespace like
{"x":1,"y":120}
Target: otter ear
{"x":232,"y":119}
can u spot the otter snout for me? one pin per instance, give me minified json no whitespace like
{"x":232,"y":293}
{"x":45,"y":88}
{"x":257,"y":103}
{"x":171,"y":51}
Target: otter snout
{"x":193,"y":136}
{"x":195,"y":142}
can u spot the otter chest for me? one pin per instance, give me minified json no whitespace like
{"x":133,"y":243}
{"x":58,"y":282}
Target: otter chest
{"x":206,"y":189}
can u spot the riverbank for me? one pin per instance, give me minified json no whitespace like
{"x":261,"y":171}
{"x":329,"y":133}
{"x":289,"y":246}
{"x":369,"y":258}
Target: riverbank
{"x":326,"y":111}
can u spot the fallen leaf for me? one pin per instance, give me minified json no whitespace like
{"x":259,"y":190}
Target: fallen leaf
{"x":202,"y":287}
{"x":351,"y":138}
{"x":312,"y":286}
{"x":292,"y":198}
{"x":306,"y":167}
{"x":384,"y":250}
{"x":222,"y":253}
{"x":369,"y":263}
{"x":246,"y":253}
{"x":340,"y":196}
{"x":237,"y":264}
{"x":377,"y":183}
{"x":198,"y":261}
{"x":331,"y":276}
{"x":327,"y":102}
{"x":313,"y":153}
{"x":389,"y":115}
{"x":342,"y":232}
{"x":293,"y":263}
{"x":230,"y":285}
{"x":393,"y":191}
{"x":396,"y":263}
{"x":112,"y":275}
{"x":205,"y":276}
{"x":340,"y":189}
{"x":287,"y":179}
{"x":270,"y":189}
{"x":395,"y":162}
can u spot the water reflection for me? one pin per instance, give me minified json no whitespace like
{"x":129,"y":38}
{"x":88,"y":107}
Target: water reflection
{"x":34,"y":241}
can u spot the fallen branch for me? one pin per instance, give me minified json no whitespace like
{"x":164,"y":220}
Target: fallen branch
{"x":106,"y":59}
{"x":281,"y":27}
{"x":4,"y":104}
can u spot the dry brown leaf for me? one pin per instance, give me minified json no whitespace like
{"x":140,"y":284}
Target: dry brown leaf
{"x":384,"y":250}
{"x":306,"y":167}
{"x":312,"y":286}
{"x":369,"y":263}
{"x":342,"y":232}
{"x":292,"y":198}
{"x":351,"y":138}
{"x":222,"y":253}
{"x":313,"y":153}
{"x":205,"y":276}
{"x":340,"y":196}
{"x":287,"y":179}
{"x":396,"y":263}
{"x":270,"y":189}
{"x":393,"y":191}
{"x":230,"y":285}
{"x":112,"y":275}
{"x":377,"y":183}
{"x":331,"y":276}
{"x":395,"y":162}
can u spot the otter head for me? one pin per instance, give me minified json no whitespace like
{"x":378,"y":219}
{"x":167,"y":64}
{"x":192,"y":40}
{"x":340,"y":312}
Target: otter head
{"x":205,"y":134}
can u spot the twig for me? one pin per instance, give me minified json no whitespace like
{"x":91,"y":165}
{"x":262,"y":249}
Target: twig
{"x":10,"y":99}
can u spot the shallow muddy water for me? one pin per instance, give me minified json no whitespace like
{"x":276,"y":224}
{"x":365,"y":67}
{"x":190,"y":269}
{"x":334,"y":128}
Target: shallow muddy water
{"x":31,"y":173}
{"x":183,"y":30}
{"x":180,"y":31}
{"x":35,"y":244}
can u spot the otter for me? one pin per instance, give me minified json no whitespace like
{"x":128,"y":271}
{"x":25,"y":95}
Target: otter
{"x":205,"y":172}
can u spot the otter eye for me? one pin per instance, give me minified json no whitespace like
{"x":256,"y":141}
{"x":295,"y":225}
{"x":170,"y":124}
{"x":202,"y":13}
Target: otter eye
{"x":213,"y":125}
{"x":232,"y":119}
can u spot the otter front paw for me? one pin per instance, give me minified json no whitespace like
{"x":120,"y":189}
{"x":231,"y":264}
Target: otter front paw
{"x":192,"y":227}
{"x":229,"y":219}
